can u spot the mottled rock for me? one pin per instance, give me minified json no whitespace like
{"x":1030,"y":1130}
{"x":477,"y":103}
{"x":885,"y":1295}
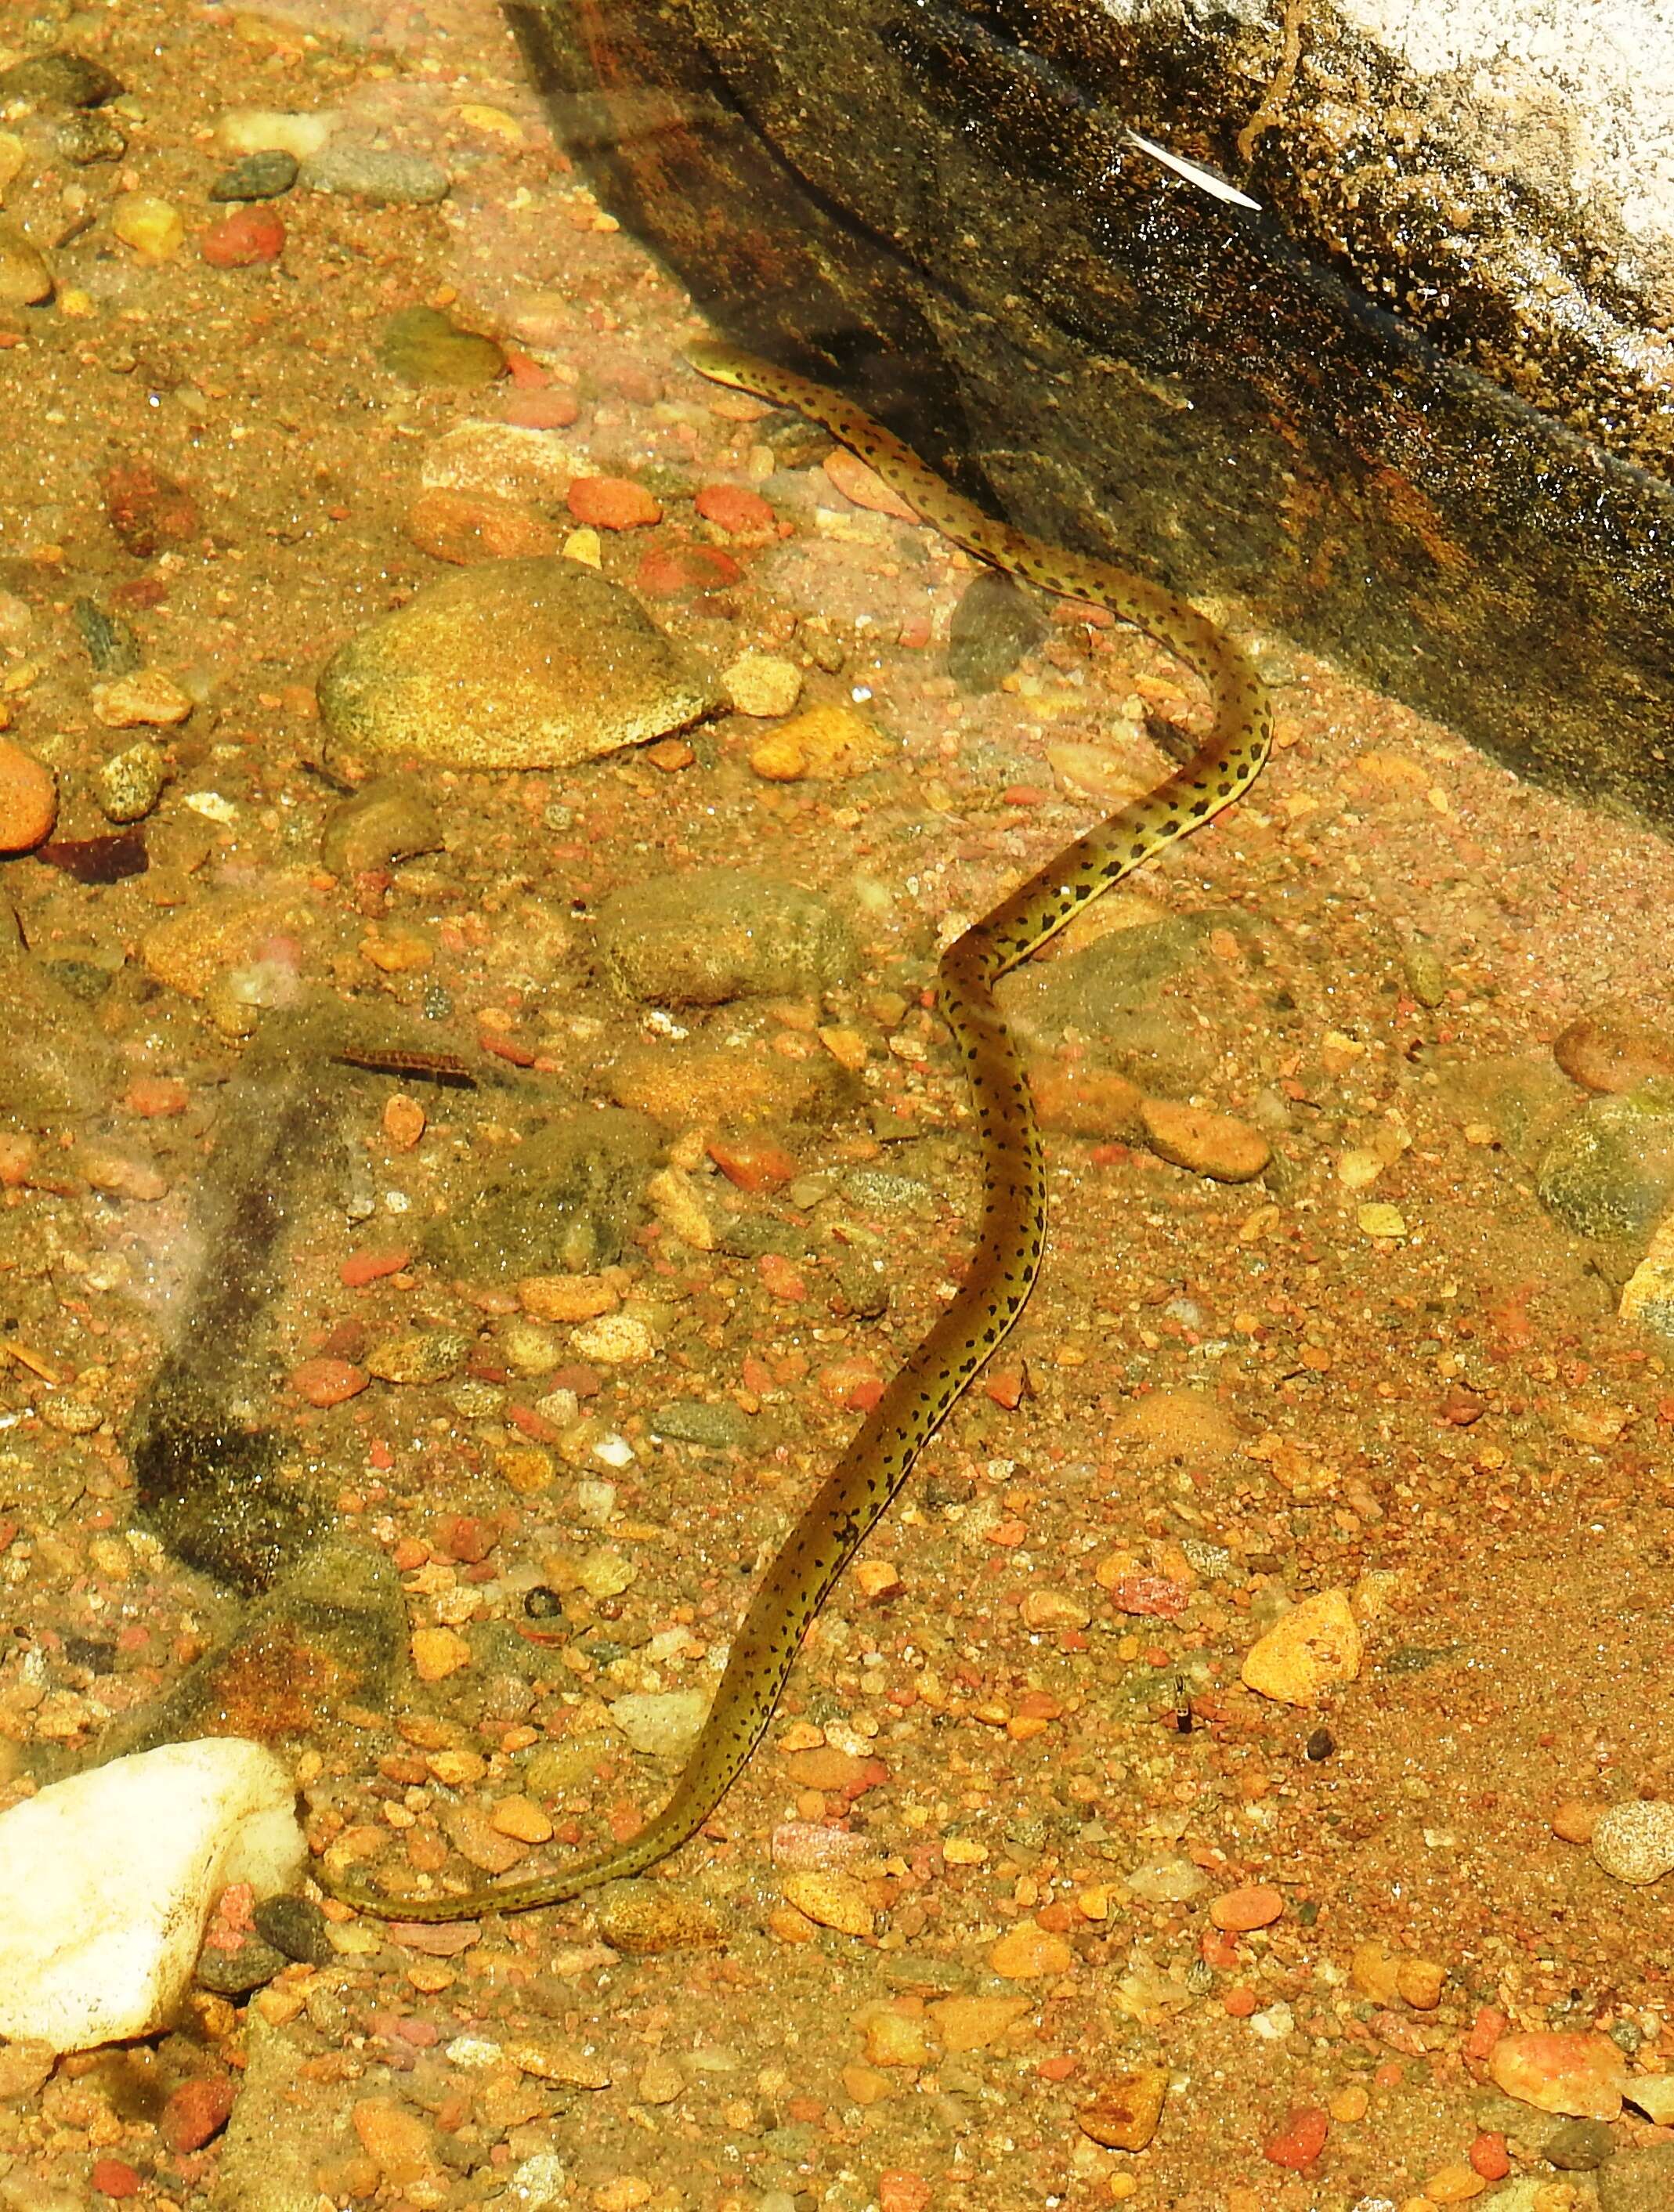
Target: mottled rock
{"x":26,"y":275}
{"x":1609,"y":1170}
{"x":422,"y":345}
{"x":296,"y":1927}
{"x":565,"y":1203}
{"x":662,"y":1723}
{"x":995,"y":625}
{"x":721,"y":933}
{"x":1577,"y":2146}
{"x":386,"y":176}
{"x":1635,"y":1842}
{"x":89,"y":135}
{"x":59,"y":79}
{"x":386,"y":821}
{"x":234,"y":1974}
{"x":129,"y":784}
{"x":514,"y":663}
{"x":1125,"y":2109}
{"x":716,"y":1426}
{"x":262,"y":175}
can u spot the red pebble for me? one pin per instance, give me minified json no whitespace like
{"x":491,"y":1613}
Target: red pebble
{"x":196,"y":2111}
{"x":751,"y":1162}
{"x":326,"y":1382}
{"x":901,"y":2190}
{"x":29,"y":800}
{"x":611,"y":503}
{"x":466,"y":1536}
{"x":1005,"y":1385}
{"x":361,"y":1268}
{"x":1149,"y":1594}
{"x":681,"y":571}
{"x":1300,"y":2140}
{"x":149,"y":511}
{"x":782,"y":1279}
{"x":114,"y":2177}
{"x":243,"y":240}
{"x":741,"y":513}
{"x":1486,"y":2030}
{"x":1490,"y":2158}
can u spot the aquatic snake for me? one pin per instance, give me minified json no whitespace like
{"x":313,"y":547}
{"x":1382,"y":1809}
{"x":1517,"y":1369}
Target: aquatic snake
{"x":1012,"y":1230}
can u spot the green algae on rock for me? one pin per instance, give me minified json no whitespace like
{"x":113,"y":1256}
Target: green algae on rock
{"x":514,"y":664}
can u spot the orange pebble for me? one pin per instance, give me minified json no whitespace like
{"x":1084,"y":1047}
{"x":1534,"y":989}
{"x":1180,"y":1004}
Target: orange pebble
{"x":1254,"y":1906}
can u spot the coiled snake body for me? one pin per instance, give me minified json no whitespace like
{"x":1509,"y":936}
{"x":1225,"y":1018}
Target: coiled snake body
{"x":1014,"y":1222}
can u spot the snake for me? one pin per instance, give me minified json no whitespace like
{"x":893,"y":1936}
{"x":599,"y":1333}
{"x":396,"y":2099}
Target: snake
{"x":1012,"y":1236}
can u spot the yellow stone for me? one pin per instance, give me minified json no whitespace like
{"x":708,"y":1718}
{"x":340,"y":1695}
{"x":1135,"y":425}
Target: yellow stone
{"x":438,"y":1653}
{"x":1350,"y":2104}
{"x":524,"y":1468}
{"x":148,"y":698}
{"x":896,"y":2038}
{"x":1126,"y":2108}
{"x":151,"y":228}
{"x":614,"y":1341}
{"x":1454,"y":2185}
{"x":457,"y":1770}
{"x":762,"y":684}
{"x":678,"y":1205}
{"x":567,"y":1297}
{"x":827,"y":742}
{"x":1029,"y":1950}
{"x":1420,"y":1981}
{"x":522,"y":1818}
{"x":1381,"y":1219}
{"x":834,"y":1900}
{"x":974,"y":2023}
{"x":1308,"y":1649}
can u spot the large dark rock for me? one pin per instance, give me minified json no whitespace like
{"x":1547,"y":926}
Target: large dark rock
{"x":1415,"y":408}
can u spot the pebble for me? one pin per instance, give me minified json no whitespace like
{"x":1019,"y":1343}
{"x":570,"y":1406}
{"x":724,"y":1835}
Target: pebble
{"x":611,"y":503}
{"x":463,"y":526}
{"x":739,"y":512}
{"x":323,"y":1381}
{"x":150,"y":512}
{"x":1239,"y":1911}
{"x":1577,"y":2146}
{"x":860,"y":482}
{"x":149,"y":699}
{"x":248,"y":239}
{"x":1302,"y":2139}
{"x":28,"y":800}
{"x":262,"y":175}
{"x":1167,"y":1881}
{"x":995,"y":625}
{"x":120,"y":1866}
{"x":1609,"y":1170}
{"x":395,"y":2139}
{"x":681,"y":572}
{"x":1647,"y":1296}
{"x":250,"y":1965}
{"x":1029,"y":1950}
{"x":1613,"y":1052}
{"x":644,"y":1918}
{"x":296,"y":1927}
{"x":513,"y":664}
{"x":26,"y":276}
{"x":386,"y":176}
{"x":128,"y":785}
{"x":761,"y":684}
{"x":151,"y":228}
{"x":60,"y":78}
{"x":614,"y":1341}
{"x":827,"y":743}
{"x":1575,"y":1819}
{"x":1311,"y":1647}
{"x":715,"y":1427}
{"x":661,"y":1723}
{"x":1582,"y":2075}
{"x":565,"y":1203}
{"x":424,"y":346}
{"x":1635,"y":1842}
{"x":418,"y":1355}
{"x":1208,"y":1144}
{"x":196,"y":2112}
{"x":437,"y":1653}
{"x":89,"y":136}
{"x":831,"y":1900}
{"x":387,"y":820}
{"x":1126,"y":2108}
{"x":714,"y":934}
{"x":269,"y":129}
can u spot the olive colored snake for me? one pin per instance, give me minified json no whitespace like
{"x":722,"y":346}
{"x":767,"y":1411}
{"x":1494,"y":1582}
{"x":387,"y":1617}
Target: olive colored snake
{"x":1013,"y":1224}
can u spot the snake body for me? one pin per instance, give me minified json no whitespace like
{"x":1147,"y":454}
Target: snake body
{"x":1012,"y":1236}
